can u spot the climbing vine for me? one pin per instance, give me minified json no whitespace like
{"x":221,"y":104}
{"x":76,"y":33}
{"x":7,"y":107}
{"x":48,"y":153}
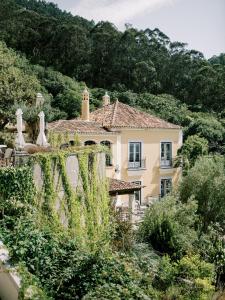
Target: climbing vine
{"x":86,"y":207}
{"x":72,"y":200}
{"x":17,"y":189}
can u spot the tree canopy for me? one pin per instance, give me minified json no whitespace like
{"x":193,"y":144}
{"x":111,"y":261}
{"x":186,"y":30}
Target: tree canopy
{"x":102,"y":56}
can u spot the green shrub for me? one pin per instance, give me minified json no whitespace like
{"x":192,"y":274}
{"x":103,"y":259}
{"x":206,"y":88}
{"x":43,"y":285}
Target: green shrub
{"x":190,"y":278}
{"x":168,"y":226}
{"x":118,"y":292}
{"x":205,"y":182}
{"x":123,"y":238}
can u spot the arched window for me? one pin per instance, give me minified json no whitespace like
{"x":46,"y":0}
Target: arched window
{"x":108,"y":157}
{"x":72,"y":143}
{"x":89,"y":143}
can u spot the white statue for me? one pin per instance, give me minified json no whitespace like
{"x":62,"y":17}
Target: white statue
{"x":42,"y":140}
{"x":20,"y":143}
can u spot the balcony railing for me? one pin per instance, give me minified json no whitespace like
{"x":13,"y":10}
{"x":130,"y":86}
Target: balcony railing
{"x":166,"y":163}
{"x":135,"y":165}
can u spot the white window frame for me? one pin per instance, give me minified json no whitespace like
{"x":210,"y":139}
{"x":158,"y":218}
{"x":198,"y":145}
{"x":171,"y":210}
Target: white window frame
{"x":166,"y":163}
{"x":165,"y":178}
{"x":142,"y":150}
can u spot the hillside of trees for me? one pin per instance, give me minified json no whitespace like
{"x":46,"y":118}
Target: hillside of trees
{"x":104,"y":57}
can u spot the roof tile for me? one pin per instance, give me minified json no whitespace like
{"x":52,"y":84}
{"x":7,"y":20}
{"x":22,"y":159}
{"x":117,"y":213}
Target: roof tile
{"x":76,"y":125}
{"x":115,"y":115}
{"x":121,"y":185}
{"x":122,"y":115}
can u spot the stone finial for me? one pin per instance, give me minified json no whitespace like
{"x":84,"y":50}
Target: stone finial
{"x":42,"y":140}
{"x":19,"y":112}
{"x":20,"y":143}
{"x":85,"y":105}
{"x":106,"y":99}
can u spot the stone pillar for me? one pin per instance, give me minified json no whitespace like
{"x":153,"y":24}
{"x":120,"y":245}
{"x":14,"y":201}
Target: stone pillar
{"x":131,"y":206}
{"x":85,"y":105}
{"x":20,"y":143}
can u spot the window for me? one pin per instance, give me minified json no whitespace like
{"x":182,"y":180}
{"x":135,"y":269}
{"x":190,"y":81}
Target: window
{"x":166,"y":154}
{"x":166,"y":186}
{"x":137,"y":194}
{"x":72,"y":143}
{"x":108,"y":158}
{"x":89,"y":143}
{"x":134,"y":155}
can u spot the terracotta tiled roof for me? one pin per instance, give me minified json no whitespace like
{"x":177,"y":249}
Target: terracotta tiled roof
{"x":117,"y":115}
{"x":76,"y":125}
{"x":121,"y":115}
{"x":116,"y":185}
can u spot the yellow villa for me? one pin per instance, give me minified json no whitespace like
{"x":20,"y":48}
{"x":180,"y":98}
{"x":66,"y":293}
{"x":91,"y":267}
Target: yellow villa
{"x":143,"y":146}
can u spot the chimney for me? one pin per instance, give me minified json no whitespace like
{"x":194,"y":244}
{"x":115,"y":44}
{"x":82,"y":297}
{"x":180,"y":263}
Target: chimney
{"x":85,"y":105}
{"x":106,"y":99}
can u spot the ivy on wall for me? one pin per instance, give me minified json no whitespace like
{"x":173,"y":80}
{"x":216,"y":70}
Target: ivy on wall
{"x":86,"y":208}
{"x":17,"y":189}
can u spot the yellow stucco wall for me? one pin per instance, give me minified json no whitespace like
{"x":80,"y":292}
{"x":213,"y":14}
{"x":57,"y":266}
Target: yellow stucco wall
{"x":151,"y":139}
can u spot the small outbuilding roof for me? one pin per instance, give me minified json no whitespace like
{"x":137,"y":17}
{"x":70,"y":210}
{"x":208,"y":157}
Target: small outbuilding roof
{"x":117,"y":186}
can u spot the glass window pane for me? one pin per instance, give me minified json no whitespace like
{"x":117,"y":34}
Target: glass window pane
{"x":89,"y":143}
{"x":131,"y":152}
{"x":137,"y":152}
{"x":162,"y":188}
{"x":134,"y":152}
{"x":137,"y":157}
{"x":162,"y":150}
{"x":131,"y":147}
{"x":168,"y":151}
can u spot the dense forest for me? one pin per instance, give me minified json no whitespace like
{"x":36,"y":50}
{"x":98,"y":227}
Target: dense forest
{"x":104,"y":57}
{"x":178,"y":251}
